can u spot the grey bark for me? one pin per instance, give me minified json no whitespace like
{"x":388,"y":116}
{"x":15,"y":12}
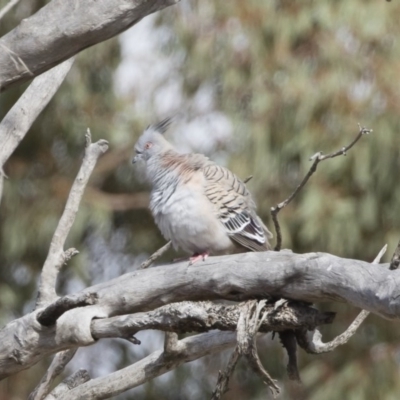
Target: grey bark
{"x":23,"y":114}
{"x":154,"y":365}
{"x":313,"y":277}
{"x":36,"y":45}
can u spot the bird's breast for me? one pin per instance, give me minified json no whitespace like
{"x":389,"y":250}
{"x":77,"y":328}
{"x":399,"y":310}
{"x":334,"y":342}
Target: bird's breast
{"x":188,"y":219}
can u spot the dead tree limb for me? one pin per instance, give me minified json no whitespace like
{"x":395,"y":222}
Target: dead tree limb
{"x":57,"y":256}
{"x":57,"y":366}
{"x":154,"y":365}
{"x":311,"y":341}
{"x":23,"y":114}
{"x":35,"y":46}
{"x":313,"y":277}
{"x":316,"y":158}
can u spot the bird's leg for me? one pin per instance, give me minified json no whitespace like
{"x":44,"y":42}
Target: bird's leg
{"x":197,"y":257}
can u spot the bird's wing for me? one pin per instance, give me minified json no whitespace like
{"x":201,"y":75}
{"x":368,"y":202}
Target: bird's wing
{"x":235,"y":208}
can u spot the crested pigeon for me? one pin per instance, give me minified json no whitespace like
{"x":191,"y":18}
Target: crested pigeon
{"x":201,"y":207}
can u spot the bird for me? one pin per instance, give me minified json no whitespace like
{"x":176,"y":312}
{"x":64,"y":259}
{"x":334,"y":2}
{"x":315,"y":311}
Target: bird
{"x":200,"y":206}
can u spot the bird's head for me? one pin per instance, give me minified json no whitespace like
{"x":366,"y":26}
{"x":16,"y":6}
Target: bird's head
{"x":152,"y":141}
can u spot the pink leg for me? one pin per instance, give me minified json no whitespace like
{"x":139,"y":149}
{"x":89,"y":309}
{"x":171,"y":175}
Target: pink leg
{"x":197,"y":257}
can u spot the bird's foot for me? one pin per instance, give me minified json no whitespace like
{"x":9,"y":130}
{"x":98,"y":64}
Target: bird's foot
{"x":197,"y":257}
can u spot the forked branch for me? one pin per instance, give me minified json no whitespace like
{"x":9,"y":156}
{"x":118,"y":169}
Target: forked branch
{"x":316,"y":158}
{"x":56,"y":256}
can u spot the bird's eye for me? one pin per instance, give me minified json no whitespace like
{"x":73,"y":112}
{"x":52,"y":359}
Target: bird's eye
{"x":148,"y":145}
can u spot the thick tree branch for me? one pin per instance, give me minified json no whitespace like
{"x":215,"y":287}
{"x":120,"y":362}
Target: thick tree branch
{"x":312,"y":341}
{"x":35,"y":46}
{"x":56,"y":256}
{"x":154,"y":365}
{"x":187,"y":317}
{"x":23,"y":114}
{"x":313,"y":277}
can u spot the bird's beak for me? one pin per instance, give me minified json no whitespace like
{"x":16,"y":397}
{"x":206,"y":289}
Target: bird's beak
{"x":134,"y":159}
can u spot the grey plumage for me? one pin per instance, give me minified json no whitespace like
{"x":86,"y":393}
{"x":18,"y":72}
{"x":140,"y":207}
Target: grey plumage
{"x":200,"y":206}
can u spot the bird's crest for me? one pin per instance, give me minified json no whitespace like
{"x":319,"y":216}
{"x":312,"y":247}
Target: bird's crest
{"x":162,"y":126}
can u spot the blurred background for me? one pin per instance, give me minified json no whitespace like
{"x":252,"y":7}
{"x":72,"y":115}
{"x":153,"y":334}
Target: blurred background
{"x":260,"y":87}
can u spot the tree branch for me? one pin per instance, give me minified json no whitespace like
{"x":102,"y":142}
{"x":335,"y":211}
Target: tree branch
{"x":311,"y":341}
{"x":52,"y":312}
{"x":156,"y":364}
{"x":67,"y":385}
{"x":56,"y":256}
{"x":23,"y":114}
{"x":35,"y":46}
{"x":56,"y":367}
{"x":187,"y":317}
{"x":313,"y":277}
{"x":317,"y":158}
{"x":8,"y":7}
{"x":156,"y":255}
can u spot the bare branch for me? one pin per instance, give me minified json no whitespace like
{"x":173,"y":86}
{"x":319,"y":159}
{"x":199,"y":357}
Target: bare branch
{"x":156,"y":255}
{"x":62,"y":390}
{"x":29,"y":50}
{"x":313,"y":277}
{"x":20,"y":118}
{"x":57,"y":366}
{"x":317,"y":158}
{"x":154,"y":365}
{"x":8,"y":7}
{"x":312,"y":341}
{"x":56,"y":256}
{"x":187,"y":317}
{"x":51,"y":313}
{"x":249,"y":323}
{"x":224,"y":377}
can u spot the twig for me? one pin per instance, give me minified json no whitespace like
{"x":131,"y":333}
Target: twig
{"x":56,"y":256}
{"x":311,"y":341}
{"x":57,"y":366}
{"x":317,"y":158}
{"x":156,"y":255}
{"x":51,"y":313}
{"x":8,"y":7}
{"x":223,"y":377}
{"x":248,"y":179}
